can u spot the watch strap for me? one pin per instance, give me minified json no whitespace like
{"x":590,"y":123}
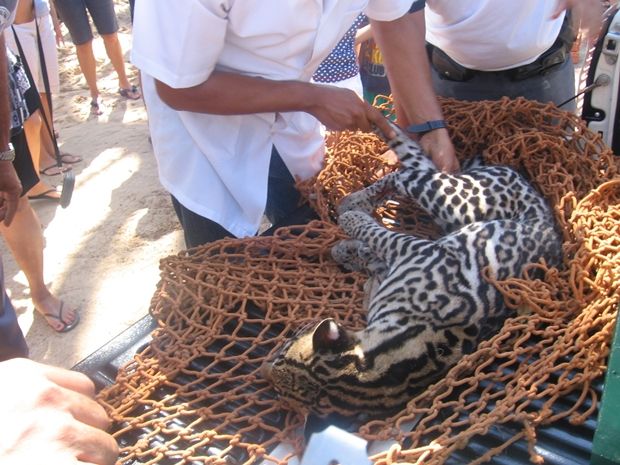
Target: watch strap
{"x":427,"y":126}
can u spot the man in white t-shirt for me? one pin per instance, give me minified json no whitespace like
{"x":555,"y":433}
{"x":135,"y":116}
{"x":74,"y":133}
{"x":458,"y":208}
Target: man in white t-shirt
{"x":226,"y":83}
{"x":487,"y":49}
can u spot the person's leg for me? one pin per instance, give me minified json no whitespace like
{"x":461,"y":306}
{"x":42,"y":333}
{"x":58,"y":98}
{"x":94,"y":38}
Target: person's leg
{"x":25,"y":240}
{"x":115,"y":54}
{"x":47,"y":147}
{"x":103,"y":15}
{"x":73,"y":14}
{"x":48,"y":150}
{"x":88,"y":66}
{"x":32,"y":130}
{"x":283,"y":198}
{"x":48,"y":90}
{"x":197,"y":230}
{"x":557,"y":86}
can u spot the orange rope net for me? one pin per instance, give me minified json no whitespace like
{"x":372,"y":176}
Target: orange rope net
{"x":195,"y":394}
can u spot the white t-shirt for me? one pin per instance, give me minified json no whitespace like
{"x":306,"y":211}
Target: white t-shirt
{"x":492,"y":35}
{"x":217,"y":166}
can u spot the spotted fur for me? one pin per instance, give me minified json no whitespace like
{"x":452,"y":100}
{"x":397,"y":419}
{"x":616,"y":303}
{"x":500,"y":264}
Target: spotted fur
{"x":426,"y":299}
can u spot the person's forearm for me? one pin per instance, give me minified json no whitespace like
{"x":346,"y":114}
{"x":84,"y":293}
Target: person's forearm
{"x":404,"y":55}
{"x":363,"y":34}
{"x":234,"y":94}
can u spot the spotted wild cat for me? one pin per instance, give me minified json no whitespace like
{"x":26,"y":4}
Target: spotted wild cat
{"x":427,"y":302}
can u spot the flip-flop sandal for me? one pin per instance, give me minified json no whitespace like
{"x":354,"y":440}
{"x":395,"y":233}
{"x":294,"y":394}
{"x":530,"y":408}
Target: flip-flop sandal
{"x":46,"y":195}
{"x":54,"y":170}
{"x":132,"y":93}
{"x":70,"y":159}
{"x":65,"y":326}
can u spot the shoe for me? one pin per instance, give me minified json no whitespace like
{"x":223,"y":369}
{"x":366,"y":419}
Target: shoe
{"x":132,"y":93}
{"x":65,"y":326}
{"x":47,"y":195}
{"x":54,"y":170}
{"x":96,"y":107}
{"x":70,"y":159}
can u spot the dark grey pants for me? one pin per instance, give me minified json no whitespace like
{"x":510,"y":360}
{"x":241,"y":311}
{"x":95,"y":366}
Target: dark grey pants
{"x":557,"y":86}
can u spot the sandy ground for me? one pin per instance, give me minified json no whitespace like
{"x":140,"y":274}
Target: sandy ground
{"x":102,"y":252}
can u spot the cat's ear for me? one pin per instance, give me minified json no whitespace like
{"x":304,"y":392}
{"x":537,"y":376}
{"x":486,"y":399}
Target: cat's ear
{"x":329,"y":335}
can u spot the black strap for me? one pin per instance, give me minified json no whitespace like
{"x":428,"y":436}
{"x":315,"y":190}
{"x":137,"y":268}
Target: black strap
{"x":427,"y":126}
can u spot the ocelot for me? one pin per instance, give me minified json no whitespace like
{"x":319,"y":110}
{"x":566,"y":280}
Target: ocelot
{"x":427,"y":301}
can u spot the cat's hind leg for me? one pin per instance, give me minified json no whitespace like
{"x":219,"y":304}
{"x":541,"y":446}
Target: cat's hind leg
{"x":384,"y":244}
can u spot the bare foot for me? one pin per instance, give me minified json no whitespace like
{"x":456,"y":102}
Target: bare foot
{"x":58,"y":315}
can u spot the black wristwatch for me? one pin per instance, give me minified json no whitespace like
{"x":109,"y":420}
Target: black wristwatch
{"x":8,"y":155}
{"x":427,"y":126}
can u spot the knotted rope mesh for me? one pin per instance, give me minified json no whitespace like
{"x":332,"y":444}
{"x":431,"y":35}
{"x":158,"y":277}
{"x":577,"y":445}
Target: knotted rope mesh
{"x":195,"y":394}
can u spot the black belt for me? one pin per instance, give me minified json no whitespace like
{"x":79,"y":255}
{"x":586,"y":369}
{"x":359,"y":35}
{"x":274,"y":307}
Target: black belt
{"x":545,"y":63}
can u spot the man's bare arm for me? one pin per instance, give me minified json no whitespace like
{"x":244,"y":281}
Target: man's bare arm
{"x":404,"y":55}
{"x":234,"y":94}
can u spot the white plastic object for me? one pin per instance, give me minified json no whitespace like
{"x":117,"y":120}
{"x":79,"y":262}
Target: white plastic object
{"x":334,"y":446}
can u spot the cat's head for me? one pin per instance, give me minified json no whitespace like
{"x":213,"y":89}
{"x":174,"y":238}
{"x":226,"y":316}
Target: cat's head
{"x":309,"y":369}
{"x":326,"y":369}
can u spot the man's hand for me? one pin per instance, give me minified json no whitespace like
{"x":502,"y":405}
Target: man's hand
{"x":438,"y":145}
{"x":587,"y":14}
{"x":340,"y":109}
{"x":10,"y":190}
{"x":49,"y":416}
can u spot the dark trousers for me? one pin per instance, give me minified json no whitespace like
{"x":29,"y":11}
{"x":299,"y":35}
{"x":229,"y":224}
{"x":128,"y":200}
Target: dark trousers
{"x":557,"y":86}
{"x":282,"y":199}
